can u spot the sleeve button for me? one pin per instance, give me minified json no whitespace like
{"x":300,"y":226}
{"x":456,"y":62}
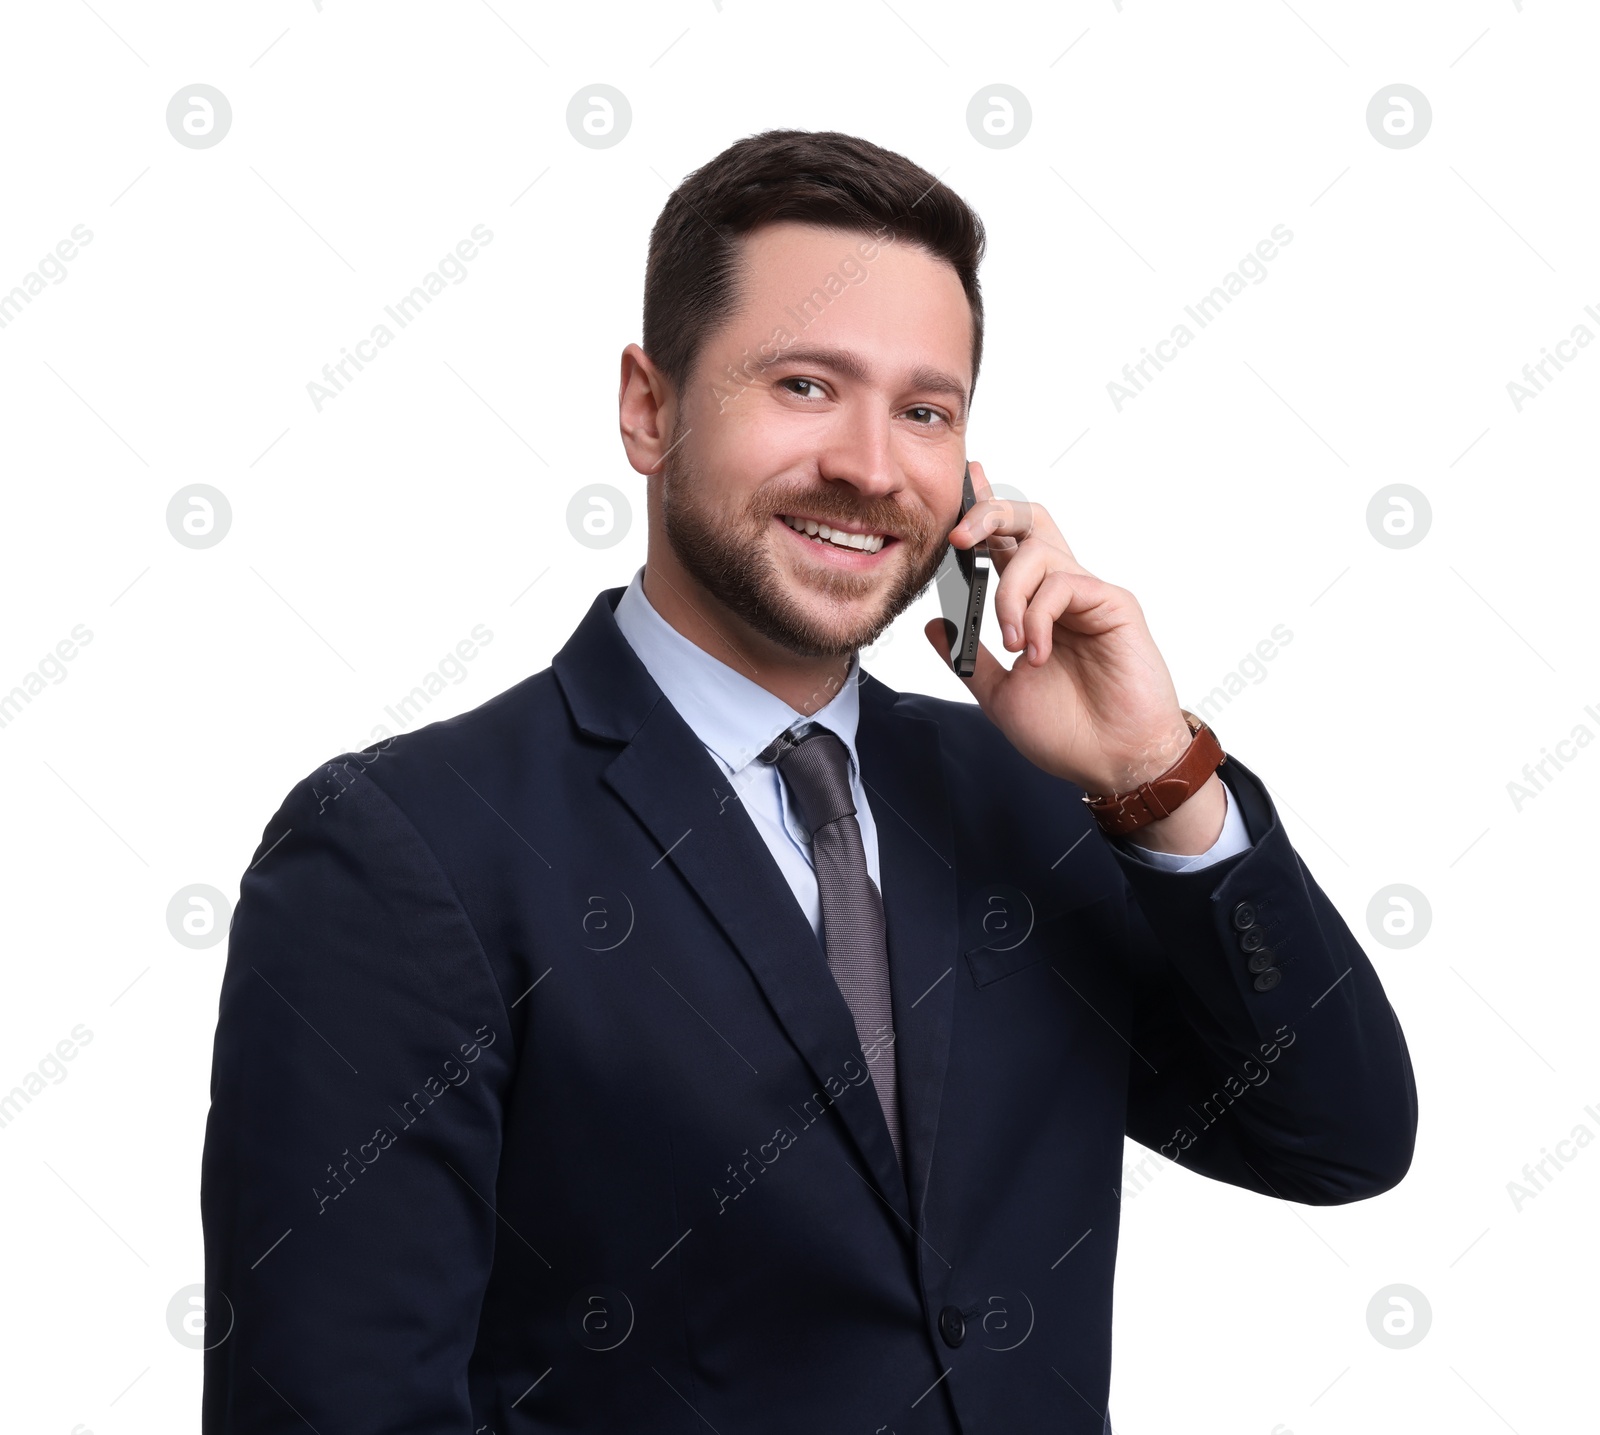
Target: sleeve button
{"x":1260,"y":961}
{"x":1244,"y":915}
{"x":1268,"y":979}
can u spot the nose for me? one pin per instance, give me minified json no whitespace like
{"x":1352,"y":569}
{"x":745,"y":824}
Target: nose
{"x":861,"y":454}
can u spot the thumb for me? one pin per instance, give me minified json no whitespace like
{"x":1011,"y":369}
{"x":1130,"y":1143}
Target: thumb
{"x":988,"y":672}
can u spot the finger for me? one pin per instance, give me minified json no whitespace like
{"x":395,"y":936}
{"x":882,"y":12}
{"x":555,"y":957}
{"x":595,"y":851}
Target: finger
{"x":987,"y":516}
{"x":1077,"y":600}
{"x":1000,"y":546}
{"x":1006,"y":524}
{"x":1019,"y":581}
{"x":988,"y":672}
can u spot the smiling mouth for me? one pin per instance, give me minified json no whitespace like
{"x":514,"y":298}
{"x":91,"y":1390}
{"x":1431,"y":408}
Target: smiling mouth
{"x":838,"y":537}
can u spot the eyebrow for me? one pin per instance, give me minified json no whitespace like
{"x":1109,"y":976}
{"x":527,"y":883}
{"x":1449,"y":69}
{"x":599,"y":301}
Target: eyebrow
{"x":851,"y":366}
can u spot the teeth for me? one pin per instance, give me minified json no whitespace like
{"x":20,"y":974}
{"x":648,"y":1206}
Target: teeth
{"x":862,"y":542}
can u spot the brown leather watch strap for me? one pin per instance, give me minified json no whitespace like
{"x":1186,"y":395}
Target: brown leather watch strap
{"x":1124,"y":812}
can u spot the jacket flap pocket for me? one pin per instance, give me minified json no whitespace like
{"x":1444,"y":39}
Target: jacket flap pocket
{"x":1012,"y":935}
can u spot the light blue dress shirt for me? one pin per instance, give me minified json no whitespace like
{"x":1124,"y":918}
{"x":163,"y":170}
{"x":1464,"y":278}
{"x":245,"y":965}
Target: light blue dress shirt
{"x":735,"y":718}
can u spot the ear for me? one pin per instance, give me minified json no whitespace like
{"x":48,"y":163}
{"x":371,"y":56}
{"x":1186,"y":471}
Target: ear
{"x":646,"y":410}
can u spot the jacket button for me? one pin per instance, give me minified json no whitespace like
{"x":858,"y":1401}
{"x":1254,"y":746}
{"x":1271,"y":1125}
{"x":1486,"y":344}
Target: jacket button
{"x":1268,"y":979}
{"x":951,"y":1326}
{"x":1260,"y":961}
{"x":1252,"y":939}
{"x":1244,"y":915}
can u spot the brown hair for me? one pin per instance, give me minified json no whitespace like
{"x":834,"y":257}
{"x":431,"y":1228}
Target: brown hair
{"x":818,"y":177}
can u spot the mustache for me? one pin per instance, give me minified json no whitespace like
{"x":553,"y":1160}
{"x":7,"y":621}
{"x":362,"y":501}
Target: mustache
{"x":879,"y":515}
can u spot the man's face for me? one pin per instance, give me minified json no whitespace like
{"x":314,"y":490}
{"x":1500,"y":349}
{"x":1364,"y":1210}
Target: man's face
{"x":854,"y":421}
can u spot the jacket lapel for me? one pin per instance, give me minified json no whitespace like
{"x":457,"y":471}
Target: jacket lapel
{"x":677,"y":791}
{"x":901,"y":769}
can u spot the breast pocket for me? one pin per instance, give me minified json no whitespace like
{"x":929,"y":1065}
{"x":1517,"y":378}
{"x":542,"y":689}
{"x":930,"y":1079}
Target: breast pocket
{"x":1012,"y":936}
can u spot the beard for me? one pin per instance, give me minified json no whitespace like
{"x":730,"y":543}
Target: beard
{"x":729,"y":555}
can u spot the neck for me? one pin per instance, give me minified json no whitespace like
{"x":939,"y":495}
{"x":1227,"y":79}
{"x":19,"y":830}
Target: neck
{"x":806,"y":684}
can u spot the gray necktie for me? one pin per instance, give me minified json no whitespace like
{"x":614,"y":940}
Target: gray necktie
{"x":816,"y":767}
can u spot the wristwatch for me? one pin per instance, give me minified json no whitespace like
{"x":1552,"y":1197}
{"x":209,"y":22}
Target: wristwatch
{"x":1124,"y":812}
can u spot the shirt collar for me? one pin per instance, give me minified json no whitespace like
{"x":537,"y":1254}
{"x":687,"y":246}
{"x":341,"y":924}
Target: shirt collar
{"x":733,"y":716}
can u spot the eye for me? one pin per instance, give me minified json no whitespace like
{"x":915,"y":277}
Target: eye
{"x":812,"y":384}
{"x":924,"y":409}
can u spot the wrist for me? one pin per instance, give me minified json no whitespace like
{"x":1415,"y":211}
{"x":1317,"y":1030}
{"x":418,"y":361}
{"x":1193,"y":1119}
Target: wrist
{"x":1148,"y":762}
{"x":1193,"y":828}
{"x":1178,"y":778}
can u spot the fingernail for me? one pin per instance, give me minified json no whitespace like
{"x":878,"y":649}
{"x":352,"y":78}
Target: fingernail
{"x":1032,"y":651}
{"x":1010,"y":631}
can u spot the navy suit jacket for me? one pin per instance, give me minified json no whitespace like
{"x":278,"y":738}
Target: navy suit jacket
{"x":534,"y":1106}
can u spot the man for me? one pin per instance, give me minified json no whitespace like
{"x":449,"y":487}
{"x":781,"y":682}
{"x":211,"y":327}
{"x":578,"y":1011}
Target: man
{"x":701,"y":1035}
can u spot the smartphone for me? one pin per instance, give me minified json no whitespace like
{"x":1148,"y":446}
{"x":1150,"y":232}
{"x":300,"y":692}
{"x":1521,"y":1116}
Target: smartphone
{"x":963,"y":582}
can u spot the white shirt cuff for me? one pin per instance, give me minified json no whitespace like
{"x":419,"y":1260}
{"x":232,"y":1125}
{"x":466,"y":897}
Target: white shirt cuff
{"x":1233,"y":838}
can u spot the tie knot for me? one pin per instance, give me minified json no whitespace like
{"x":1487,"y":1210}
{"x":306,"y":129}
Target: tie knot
{"x":817,"y":768}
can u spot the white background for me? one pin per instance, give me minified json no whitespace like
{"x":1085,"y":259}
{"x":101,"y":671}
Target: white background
{"x":1231,"y":496}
